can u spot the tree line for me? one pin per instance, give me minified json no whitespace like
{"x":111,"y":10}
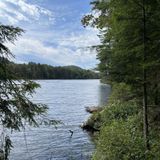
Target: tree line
{"x":43,"y":71}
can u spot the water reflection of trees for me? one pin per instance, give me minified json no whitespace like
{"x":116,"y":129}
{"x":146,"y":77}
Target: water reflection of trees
{"x":104,"y":92}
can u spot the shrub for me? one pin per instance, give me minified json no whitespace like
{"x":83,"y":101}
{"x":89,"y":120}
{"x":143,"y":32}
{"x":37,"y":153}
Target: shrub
{"x":121,"y":129}
{"x":121,"y":140}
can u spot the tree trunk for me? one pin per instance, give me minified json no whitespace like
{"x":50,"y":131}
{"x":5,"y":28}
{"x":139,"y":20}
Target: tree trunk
{"x":145,"y":101}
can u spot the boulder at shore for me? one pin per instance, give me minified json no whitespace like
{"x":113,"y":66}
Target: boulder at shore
{"x":89,"y":128}
{"x":93,"y":109}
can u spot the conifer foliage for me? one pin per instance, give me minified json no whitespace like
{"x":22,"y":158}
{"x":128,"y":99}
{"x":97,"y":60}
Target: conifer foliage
{"x":129,"y":51}
{"x":16,"y":108}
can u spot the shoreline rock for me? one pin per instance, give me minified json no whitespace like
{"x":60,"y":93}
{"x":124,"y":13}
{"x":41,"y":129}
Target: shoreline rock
{"x":89,"y":128}
{"x":93,"y":109}
{"x":89,"y":124}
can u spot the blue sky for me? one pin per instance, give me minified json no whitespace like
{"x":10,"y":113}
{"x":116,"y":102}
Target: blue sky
{"x":54,"y":34}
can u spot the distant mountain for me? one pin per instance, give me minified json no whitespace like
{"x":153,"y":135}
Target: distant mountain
{"x":43,"y":71}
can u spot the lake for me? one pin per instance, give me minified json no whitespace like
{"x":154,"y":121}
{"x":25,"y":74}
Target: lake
{"x":66,"y":100}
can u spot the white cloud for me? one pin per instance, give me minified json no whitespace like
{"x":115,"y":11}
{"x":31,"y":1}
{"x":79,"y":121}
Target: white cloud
{"x":45,"y":41}
{"x":87,"y":39}
{"x":59,"y":55}
{"x":19,"y":10}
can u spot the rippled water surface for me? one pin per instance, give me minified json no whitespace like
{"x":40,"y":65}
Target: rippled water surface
{"x":66,"y":100}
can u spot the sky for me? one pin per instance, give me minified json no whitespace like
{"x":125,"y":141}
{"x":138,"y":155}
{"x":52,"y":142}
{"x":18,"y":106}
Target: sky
{"x":53,"y":34}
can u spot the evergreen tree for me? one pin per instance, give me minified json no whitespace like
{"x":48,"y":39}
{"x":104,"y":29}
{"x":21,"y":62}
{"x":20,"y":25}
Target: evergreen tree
{"x":130,"y":47}
{"x":15,"y":106}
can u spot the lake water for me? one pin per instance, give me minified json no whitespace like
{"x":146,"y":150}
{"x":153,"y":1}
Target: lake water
{"x":66,"y":100}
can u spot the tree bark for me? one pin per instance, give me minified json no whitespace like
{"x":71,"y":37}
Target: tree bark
{"x":145,"y":96}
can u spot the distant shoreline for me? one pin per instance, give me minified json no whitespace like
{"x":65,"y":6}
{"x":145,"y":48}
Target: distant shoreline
{"x":35,"y":71}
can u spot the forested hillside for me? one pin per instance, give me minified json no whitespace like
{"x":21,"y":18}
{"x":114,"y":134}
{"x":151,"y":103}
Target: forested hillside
{"x":130,"y":62}
{"x":43,"y":71}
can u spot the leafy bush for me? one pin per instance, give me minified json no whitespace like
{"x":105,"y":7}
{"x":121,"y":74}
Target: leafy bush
{"x":120,"y":140}
{"x":118,"y":111}
{"x":121,"y":134}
